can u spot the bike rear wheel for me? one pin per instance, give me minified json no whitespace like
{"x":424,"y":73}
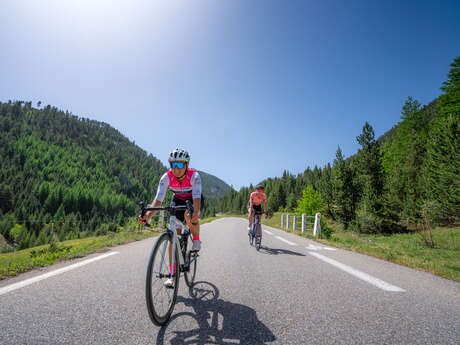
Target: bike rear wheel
{"x":190,"y":272}
{"x":161,"y":299}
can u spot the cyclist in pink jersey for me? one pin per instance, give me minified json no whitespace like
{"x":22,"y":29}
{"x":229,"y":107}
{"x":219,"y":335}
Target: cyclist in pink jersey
{"x":185,"y":183}
{"x":255,"y":202}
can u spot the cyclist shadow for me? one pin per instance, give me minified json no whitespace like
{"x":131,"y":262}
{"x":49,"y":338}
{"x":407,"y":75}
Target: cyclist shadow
{"x":215,"y":321}
{"x":277,"y":251}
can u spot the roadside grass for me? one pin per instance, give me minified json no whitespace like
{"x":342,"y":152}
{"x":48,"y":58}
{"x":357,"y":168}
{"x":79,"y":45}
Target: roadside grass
{"x":13,"y":263}
{"x":408,"y":249}
{"x":16,"y":262}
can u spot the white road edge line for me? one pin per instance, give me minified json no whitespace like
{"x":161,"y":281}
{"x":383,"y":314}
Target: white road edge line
{"x":26,"y":282}
{"x":361,"y":275}
{"x":268,"y":232}
{"x":286,"y":241}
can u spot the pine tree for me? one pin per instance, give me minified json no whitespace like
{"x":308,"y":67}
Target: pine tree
{"x":344,"y":189}
{"x":442,"y":167}
{"x":291,"y":201}
{"x":326,"y":189}
{"x":449,"y":103}
{"x":370,"y":210}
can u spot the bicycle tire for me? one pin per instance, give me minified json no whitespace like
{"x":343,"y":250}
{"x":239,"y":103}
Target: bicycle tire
{"x":160,"y":312}
{"x":259,"y":237}
{"x":251,"y":237}
{"x":190,"y":272}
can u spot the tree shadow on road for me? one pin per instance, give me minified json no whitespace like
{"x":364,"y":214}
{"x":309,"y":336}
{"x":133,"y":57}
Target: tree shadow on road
{"x":278,"y":251}
{"x":213,"y":321}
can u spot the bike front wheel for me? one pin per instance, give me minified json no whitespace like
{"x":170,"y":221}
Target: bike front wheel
{"x":251,"y":237}
{"x":259,"y":237}
{"x":160,"y":297}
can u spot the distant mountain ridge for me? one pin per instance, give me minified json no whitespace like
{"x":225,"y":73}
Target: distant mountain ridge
{"x":213,"y":187}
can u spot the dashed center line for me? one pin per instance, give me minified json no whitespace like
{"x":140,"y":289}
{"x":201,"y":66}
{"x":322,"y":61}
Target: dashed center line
{"x":26,"y":282}
{"x":286,"y":241}
{"x":268,"y":232}
{"x":313,"y":247}
{"x":361,"y":275}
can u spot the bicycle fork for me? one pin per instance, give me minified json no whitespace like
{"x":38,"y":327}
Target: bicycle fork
{"x":172,"y":256}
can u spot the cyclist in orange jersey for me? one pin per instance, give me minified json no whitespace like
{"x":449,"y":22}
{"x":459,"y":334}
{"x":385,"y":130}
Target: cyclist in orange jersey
{"x":255,"y":202}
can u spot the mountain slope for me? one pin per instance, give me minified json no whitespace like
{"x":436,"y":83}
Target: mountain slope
{"x":74,"y":173}
{"x":213,"y":187}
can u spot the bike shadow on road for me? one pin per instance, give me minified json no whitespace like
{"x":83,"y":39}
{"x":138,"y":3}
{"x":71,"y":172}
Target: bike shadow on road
{"x":278,"y":251}
{"x":213,"y":321}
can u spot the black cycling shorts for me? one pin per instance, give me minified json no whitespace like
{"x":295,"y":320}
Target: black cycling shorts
{"x":257,"y":209}
{"x":179,"y":202}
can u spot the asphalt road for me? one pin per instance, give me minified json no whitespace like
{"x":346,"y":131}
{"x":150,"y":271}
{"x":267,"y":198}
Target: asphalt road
{"x":294,"y":291}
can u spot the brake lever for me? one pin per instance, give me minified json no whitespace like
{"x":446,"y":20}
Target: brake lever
{"x":141,"y":209}
{"x":142,"y":213}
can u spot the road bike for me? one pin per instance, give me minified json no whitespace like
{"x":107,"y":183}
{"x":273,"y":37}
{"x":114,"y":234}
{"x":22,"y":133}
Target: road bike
{"x":255,"y":234}
{"x":162,"y":265}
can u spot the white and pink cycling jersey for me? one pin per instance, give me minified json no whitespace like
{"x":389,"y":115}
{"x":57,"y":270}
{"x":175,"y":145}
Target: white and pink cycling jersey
{"x":189,"y":187}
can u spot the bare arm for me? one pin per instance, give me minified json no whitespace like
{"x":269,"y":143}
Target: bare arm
{"x":196,"y":209}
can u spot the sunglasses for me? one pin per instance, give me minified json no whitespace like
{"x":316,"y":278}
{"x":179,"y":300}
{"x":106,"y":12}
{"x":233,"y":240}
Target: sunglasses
{"x":260,"y":190}
{"x":179,"y":165}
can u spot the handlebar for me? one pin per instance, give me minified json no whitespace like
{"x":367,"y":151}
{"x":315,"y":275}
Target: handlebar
{"x":171,"y":209}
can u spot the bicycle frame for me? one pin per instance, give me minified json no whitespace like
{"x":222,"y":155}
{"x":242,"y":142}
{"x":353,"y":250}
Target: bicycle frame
{"x":257,"y":220}
{"x":171,"y":229}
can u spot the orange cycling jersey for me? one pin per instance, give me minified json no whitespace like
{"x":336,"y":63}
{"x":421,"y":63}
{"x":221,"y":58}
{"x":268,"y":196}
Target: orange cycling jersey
{"x":257,"y":198}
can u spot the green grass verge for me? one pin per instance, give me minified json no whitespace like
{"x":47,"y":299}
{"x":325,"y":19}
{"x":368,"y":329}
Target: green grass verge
{"x":16,"y":262}
{"x":20,"y":261}
{"x":408,"y":249}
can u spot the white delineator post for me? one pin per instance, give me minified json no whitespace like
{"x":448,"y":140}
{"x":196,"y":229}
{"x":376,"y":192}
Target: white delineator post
{"x":293,"y":223}
{"x":282,"y":219}
{"x":287,"y":221}
{"x":317,"y":228}
{"x":303,"y":222}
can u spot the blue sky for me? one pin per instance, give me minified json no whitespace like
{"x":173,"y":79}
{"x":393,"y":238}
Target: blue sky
{"x":249,"y":88}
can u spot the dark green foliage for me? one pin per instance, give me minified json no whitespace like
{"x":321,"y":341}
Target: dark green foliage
{"x":403,"y":159}
{"x":442,"y":169}
{"x":408,"y":177}
{"x":326,"y":189}
{"x":62,"y":175}
{"x":442,"y":164}
{"x":370,"y":214}
{"x":449,"y":102}
{"x":346,"y":189}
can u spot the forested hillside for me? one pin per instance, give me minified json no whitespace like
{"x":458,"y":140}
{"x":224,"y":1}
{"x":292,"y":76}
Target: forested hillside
{"x":408,"y":177}
{"x":69,"y":177}
{"x":213,"y":187}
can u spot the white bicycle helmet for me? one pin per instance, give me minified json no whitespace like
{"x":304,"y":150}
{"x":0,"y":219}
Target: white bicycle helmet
{"x":179,"y":155}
